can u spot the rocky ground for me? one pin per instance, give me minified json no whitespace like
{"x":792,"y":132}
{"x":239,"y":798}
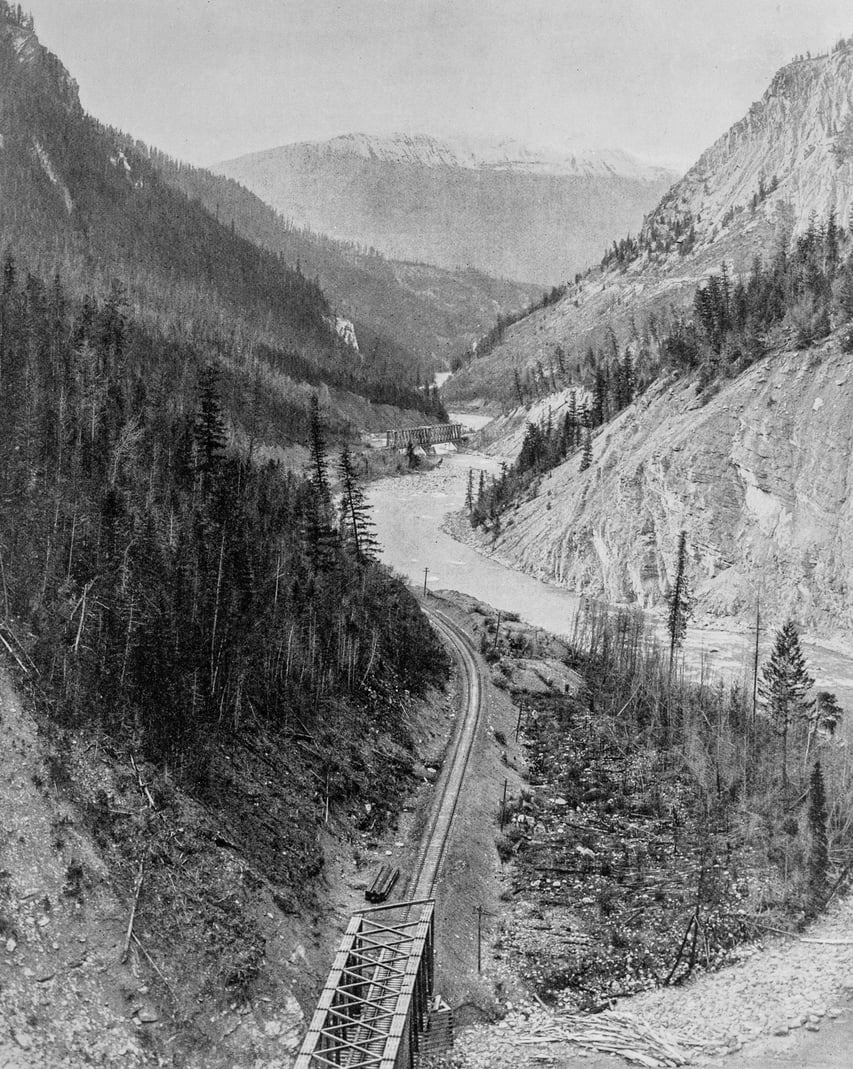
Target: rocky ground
{"x":787,"y":1002}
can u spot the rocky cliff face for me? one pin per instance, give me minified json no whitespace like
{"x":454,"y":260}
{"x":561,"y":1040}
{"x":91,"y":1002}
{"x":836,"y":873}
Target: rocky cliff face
{"x":496,"y":206}
{"x":794,"y":147}
{"x":759,"y":478}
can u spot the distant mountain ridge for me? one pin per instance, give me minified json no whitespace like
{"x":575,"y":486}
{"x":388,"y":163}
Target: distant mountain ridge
{"x":473,"y":153}
{"x":82,"y":202}
{"x":537,"y":216}
{"x":434,"y":313}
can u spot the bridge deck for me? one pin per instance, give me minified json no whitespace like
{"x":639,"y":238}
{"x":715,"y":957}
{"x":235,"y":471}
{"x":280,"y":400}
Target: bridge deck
{"x":376,"y":1000}
{"x":432,"y":435}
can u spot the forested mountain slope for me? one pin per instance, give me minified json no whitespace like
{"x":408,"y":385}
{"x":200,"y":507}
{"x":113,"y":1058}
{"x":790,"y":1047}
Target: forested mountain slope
{"x":79,"y":201}
{"x":221,"y":674}
{"x":432,"y":312}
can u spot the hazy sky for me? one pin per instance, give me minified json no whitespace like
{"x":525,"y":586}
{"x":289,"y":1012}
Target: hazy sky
{"x":206,"y":80}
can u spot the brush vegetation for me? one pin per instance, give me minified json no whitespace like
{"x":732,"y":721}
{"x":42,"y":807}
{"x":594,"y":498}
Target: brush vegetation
{"x":665,"y":814}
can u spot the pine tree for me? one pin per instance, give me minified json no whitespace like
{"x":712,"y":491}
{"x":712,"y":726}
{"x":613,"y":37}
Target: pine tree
{"x":828,"y":712}
{"x":209,"y":429}
{"x":319,"y":533}
{"x":586,"y":455}
{"x":680,"y":601}
{"x":469,"y":493}
{"x":784,"y":685}
{"x":845,"y":294}
{"x":819,"y":848}
{"x":357,"y":528}
{"x":319,"y":460}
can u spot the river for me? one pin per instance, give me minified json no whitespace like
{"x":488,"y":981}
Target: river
{"x":409,"y":510}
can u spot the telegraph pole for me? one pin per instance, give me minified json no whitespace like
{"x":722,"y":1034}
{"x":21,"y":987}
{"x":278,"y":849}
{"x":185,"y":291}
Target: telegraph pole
{"x":426,"y":573}
{"x":479,"y":911}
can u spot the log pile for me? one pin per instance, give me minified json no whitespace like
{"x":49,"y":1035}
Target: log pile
{"x":613,"y":1033}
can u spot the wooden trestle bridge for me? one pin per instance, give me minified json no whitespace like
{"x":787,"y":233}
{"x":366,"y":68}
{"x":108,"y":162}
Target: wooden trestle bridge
{"x":424,"y":436}
{"x":377,"y":999}
{"x":378,"y":1009}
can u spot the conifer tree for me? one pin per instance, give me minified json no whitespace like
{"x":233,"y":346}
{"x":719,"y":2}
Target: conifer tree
{"x":679,"y":600}
{"x":319,"y":462}
{"x":209,"y":429}
{"x":586,"y":458}
{"x":818,"y":848}
{"x":784,"y":685}
{"x":357,"y":528}
{"x":319,"y":533}
{"x":469,"y":493}
{"x":828,"y":712}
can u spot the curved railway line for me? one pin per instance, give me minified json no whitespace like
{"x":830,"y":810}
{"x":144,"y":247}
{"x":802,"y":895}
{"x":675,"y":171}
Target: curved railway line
{"x":443,"y":808}
{"x":366,"y":1031}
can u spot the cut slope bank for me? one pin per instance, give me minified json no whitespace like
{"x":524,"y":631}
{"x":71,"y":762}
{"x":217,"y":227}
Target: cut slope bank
{"x":758,"y":476}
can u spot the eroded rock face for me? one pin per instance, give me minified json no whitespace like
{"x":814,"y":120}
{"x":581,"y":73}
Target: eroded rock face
{"x":793,"y":147}
{"x":759,"y":477}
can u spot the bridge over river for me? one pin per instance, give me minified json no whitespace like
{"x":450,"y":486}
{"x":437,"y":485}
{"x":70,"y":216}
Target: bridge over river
{"x":435,"y":434}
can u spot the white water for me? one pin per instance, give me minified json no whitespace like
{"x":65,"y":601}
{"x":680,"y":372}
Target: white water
{"x":409,"y":511}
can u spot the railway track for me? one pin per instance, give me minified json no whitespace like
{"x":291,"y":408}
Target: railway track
{"x":434,"y":845}
{"x":366,"y":1045}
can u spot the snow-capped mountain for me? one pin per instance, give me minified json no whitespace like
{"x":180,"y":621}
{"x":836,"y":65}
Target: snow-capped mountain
{"x":504,"y":154}
{"x":538,"y":215}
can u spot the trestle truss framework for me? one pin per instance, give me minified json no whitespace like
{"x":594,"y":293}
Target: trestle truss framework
{"x":375,"y":1003}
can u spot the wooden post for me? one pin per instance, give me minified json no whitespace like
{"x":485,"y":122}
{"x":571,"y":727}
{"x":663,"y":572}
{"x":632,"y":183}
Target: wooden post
{"x":503,"y":807}
{"x":479,"y":911}
{"x":426,"y":571}
{"x":497,"y":631}
{"x":518,"y":722}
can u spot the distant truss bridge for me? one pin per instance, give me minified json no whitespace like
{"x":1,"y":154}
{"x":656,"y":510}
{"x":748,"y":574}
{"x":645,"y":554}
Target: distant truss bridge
{"x":433,"y":435}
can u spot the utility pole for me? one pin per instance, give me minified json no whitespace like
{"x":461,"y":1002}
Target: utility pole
{"x":479,"y":911}
{"x":426,"y":573}
{"x":755,"y":662}
{"x":503,"y":807}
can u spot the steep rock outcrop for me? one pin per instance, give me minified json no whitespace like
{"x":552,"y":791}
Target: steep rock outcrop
{"x":759,"y":476}
{"x":792,"y":147}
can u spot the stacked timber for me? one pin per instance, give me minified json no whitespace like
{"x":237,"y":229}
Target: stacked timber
{"x":383,"y":884}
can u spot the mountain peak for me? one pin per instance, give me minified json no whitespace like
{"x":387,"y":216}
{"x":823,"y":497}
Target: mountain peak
{"x":17,"y":33}
{"x":793,"y":150}
{"x":483,"y":153}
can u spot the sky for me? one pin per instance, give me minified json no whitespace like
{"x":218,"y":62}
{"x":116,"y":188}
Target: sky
{"x":208,"y":80}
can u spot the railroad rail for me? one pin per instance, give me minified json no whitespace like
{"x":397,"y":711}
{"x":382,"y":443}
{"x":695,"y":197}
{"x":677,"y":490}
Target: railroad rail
{"x":375,"y":1004}
{"x":453,"y":772}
